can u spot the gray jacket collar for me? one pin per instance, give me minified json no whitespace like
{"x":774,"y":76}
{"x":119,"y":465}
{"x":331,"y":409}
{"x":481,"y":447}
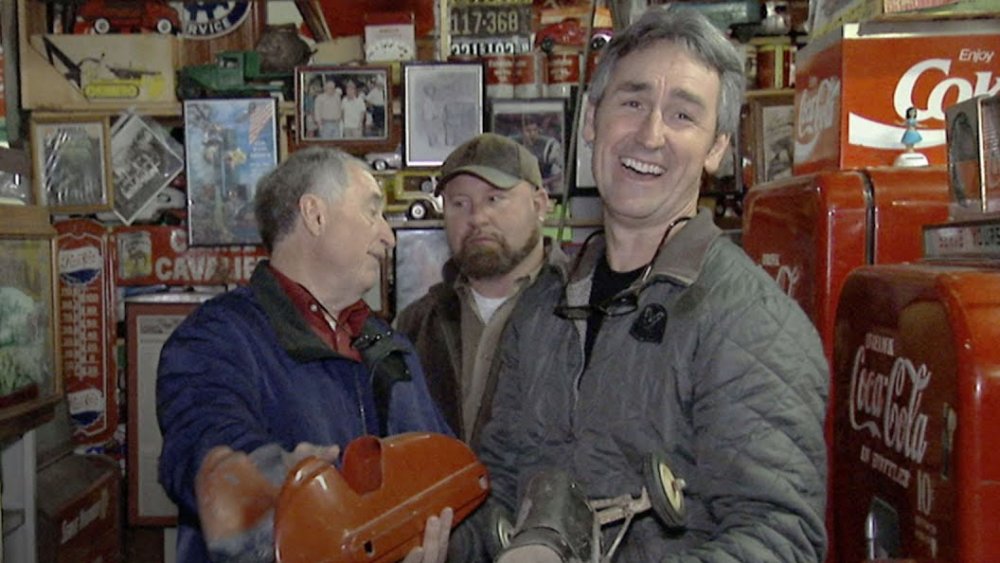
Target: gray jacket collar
{"x":680,"y":259}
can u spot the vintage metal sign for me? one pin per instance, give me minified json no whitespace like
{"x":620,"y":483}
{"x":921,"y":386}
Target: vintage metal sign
{"x":88,"y":366}
{"x":160,"y":255}
{"x":204,"y":20}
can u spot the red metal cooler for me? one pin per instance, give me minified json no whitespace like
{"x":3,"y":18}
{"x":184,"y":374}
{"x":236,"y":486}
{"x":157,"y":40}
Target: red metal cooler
{"x":917,"y":424}
{"x":810,"y":231}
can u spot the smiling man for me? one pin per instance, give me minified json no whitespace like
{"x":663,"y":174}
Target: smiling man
{"x":254,"y":377}
{"x":494,"y":207}
{"x":665,"y":337}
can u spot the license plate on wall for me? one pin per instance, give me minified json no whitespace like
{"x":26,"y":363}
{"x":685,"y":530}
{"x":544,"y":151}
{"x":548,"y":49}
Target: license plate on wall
{"x":482,"y":28}
{"x":493,"y":19}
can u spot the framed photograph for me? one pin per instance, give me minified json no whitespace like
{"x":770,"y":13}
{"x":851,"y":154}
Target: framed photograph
{"x":443,"y":108}
{"x":149,"y":321}
{"x":71,"y":163}
{"x":30,"y":355}
{"x":772,"y":136}
{"x":418,"y":258}
{"x":540,"y":125}
{"x":15,"y":177}
{"x":144,"y":160}
{"x":229,"y":145}
{"x":343,"y":104}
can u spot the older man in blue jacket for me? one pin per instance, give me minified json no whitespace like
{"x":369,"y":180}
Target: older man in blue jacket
{"x":252,"y":379}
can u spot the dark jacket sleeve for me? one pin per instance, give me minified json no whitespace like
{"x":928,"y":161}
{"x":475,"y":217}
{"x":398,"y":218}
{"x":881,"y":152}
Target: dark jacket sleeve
{"x":206,"y":395}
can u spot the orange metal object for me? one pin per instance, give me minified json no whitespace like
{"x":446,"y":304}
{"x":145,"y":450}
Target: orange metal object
{"x":374,"y":509}
{"x":917,"y":426}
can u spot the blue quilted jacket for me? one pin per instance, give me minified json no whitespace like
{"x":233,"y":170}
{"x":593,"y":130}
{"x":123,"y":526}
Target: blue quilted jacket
{"x":245,"y":370}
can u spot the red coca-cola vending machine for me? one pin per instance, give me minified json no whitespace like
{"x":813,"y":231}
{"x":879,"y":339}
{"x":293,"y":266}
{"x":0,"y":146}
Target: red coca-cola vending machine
{"x":917,"y":425}
{"x":847,"y":205}
{"x":810,"y":231}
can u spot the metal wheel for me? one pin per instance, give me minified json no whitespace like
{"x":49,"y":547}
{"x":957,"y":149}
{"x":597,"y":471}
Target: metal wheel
{"x":417,"y":211}
{"x":102,"y":25}
{"x":164,"y":26}
{"x":666,"y":490}
{"x":380,"y":165}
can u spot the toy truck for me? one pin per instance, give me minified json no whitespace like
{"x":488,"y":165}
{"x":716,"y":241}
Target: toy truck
{"x":234,"y":73}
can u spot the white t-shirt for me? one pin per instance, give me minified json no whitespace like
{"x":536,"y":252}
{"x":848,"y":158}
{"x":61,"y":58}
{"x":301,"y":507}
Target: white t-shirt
{"x":486,"y":306}
{"x":354,"y":112}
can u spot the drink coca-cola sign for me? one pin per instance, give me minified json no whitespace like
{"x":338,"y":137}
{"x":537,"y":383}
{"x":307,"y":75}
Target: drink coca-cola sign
{"x":853,"y":92}
{"x":886,"y":405}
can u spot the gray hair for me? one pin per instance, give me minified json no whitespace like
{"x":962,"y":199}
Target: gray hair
{"x":317,"y":170}
{"x":699,"y":36}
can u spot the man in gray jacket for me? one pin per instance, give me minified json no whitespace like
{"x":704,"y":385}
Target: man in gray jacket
{"x":494,"y":207}
{"x":666,"y":337}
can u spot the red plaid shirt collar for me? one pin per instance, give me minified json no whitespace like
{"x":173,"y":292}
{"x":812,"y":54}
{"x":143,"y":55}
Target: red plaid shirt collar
{"x":348,"y":322}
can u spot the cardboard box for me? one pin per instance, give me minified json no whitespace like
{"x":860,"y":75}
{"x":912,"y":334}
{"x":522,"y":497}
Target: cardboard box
{"x":93,"y":72}
{"x":853,"y":87}
{"x":826,"y":15}
{"x":974,"y":153}
{"x":79,"y":520}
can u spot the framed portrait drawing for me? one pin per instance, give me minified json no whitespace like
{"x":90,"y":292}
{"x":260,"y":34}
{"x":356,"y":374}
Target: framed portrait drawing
{"x":144,"y":159}
{"x":30,"y":355}
{"x":419,"y":255}
{"x":343,"y":104}
{"x":772,"y":135}
{"x":443,"y":108}
{"x":539,"y":125}
{"x":229,"y":145}
{"x":71,"y":162}
{"x":149,"y":321}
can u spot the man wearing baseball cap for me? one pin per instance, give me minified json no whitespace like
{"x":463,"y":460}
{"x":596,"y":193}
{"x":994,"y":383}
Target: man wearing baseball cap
{"x":494,"y":207}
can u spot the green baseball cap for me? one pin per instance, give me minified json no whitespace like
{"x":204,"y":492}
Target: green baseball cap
{"x":493,"y":158}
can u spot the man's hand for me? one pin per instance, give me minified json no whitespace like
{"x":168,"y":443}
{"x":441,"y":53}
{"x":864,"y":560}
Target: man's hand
{"x":435,"y":546}
{"x":235,"y":490}
{"x":232,"y":494}
{"x":303,"y":450}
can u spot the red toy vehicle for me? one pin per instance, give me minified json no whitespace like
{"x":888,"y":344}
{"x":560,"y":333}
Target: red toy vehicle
{"x":571,"y":33}
{"x":105,"y":16}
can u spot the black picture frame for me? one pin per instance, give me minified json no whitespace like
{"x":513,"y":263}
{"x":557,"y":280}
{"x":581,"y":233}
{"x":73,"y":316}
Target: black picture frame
{"x":443,"y":107}
{"x":372,"y":85}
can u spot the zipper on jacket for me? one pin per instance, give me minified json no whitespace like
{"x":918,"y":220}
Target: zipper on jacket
{"x":361,"y":404}
{"x":581,"y":330}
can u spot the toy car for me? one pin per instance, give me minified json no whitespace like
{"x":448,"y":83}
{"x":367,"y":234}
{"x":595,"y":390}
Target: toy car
{"x":411,"y":193}
{"x":373,"y":509}
{"x":571,"y":33}
{"x":105,"y":16}
{"x":382,"y":161}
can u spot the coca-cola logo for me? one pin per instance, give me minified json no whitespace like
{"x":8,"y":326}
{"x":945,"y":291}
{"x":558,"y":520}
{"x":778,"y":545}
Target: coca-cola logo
{"x":948,"y":90}
{"x":817,"y":111}
{"x":887,"y":405}
{"x":935,"y":77}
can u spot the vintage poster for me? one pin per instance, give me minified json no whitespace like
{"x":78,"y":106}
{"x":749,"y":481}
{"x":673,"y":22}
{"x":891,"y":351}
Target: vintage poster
{"x":230,"y":145}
